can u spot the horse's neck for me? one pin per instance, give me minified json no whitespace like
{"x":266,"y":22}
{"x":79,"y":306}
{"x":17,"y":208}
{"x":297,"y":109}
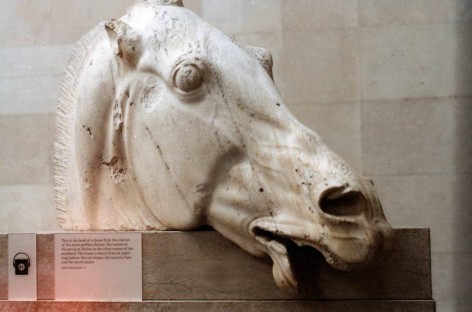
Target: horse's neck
{"x":99,"y":190}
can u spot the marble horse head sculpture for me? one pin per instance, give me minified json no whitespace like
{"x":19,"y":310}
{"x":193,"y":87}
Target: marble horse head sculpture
{"x":164,"y":122}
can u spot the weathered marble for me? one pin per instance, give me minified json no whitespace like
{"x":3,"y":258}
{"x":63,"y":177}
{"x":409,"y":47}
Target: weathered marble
{"x":164,"y":122}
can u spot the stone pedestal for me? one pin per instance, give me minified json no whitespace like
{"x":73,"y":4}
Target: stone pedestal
{"x":202,"y":271}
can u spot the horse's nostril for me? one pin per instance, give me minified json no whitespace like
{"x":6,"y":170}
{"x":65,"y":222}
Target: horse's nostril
{"x":337,"y":203}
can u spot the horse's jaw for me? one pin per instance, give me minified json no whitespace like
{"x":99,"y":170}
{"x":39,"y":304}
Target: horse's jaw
{"x":278,"y":240}
{"x":283,"y":240}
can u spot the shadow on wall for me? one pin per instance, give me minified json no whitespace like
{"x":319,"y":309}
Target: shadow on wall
{"x":463,"y":157}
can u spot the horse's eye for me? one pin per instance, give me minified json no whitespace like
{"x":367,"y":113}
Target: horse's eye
{"x":188,"y":78}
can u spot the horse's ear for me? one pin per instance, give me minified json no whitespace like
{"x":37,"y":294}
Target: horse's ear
{"x":263,"y":56}
{"x":125,"y":41}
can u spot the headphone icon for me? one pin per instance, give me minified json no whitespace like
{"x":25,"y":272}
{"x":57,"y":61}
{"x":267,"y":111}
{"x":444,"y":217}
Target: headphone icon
{"x":21,"y":265}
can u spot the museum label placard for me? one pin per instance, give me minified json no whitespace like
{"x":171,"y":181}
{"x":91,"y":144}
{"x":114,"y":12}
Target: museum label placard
{"x":98,"y":266}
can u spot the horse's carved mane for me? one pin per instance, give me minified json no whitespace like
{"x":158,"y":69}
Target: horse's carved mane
{"x":65,"y":115}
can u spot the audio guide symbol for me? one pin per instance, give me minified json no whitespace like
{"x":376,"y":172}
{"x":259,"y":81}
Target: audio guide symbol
{"x":21,"y":265}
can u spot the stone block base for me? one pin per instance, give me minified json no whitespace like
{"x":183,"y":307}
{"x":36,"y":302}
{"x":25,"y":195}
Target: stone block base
{"x":223,"y":306}
{"x":202,"y":271}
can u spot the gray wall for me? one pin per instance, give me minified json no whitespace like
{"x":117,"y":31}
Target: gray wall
{"x":387,"y":83}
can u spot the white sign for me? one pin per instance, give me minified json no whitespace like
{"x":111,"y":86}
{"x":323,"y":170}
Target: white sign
{"x":22,"y":267}
{"x":98,"y":266}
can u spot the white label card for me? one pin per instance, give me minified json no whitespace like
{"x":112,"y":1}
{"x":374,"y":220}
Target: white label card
{"x":98,"y":266}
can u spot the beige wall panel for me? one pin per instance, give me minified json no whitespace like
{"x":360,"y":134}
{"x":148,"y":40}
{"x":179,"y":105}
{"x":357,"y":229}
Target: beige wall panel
{"x":308,"y":15}
{"x":402,"y":12}
{"x":419,"y":136}
{"x":460,"y":11}
{"x":33,"y":95}
{"x":435,"y":201}
{"x":409,"y":12}
{"x":451,"y":280}
{"x":28,"y":158}
{"x":30,"y":78}
{"x":27,"y":208}
{"x":224,"y":15}
{"x":261,"y":16}
{"x":338,"y":124}
{"x":414,"y":61}
{"x":49,"y":22}
{"x":463,"y":57}
{"x":319,"y":66}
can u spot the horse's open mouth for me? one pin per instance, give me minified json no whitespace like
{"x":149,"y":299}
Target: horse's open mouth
{"x":295,"y":261}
